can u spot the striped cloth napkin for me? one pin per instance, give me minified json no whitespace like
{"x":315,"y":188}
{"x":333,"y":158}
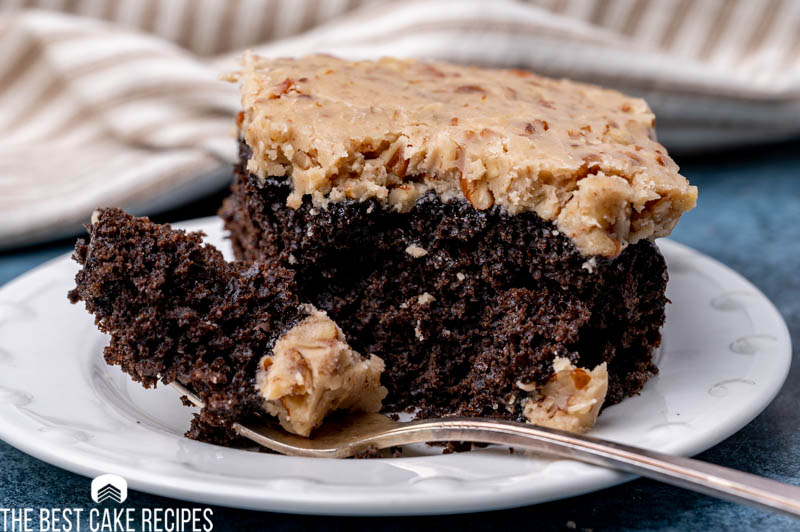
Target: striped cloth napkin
{"x":105,"y":102}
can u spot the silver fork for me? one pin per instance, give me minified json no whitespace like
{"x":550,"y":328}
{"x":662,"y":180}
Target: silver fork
{"x":346,"y":435}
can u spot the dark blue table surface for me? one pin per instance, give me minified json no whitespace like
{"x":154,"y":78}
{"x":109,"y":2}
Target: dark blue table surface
{"x":748,"y":217}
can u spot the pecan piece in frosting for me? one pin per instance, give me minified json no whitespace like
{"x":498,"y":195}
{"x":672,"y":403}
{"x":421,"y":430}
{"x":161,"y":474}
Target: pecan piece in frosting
{"x":312,"y":371}
{"x":570,"y":400}
{"x":477,"y":193}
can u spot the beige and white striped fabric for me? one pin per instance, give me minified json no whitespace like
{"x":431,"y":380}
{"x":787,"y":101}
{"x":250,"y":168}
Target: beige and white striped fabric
{"x":118,"y":102}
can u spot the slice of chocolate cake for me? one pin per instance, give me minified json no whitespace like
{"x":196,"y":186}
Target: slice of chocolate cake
{"x":488,"y":233}
{"x":236,"y":334}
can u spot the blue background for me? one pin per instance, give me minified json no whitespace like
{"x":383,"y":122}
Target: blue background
{"x":748,"y":217}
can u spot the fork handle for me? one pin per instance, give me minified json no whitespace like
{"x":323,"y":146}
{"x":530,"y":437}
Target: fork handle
{"x":710,"y":479}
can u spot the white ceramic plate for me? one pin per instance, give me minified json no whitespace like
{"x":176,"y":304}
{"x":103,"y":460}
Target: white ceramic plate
{"x":726,"y":354}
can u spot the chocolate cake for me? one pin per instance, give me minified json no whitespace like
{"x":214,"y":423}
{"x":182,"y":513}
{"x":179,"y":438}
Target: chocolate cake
{"x":485,"y":232}
{"x":483,"y":237}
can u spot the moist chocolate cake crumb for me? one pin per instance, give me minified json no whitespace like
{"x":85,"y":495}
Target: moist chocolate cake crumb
{"x":373,"y":452}
{"x":450,"y":447}
{"x":370,"y":452}
{"x":177,"y":311}
{"x":508,"y":294}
